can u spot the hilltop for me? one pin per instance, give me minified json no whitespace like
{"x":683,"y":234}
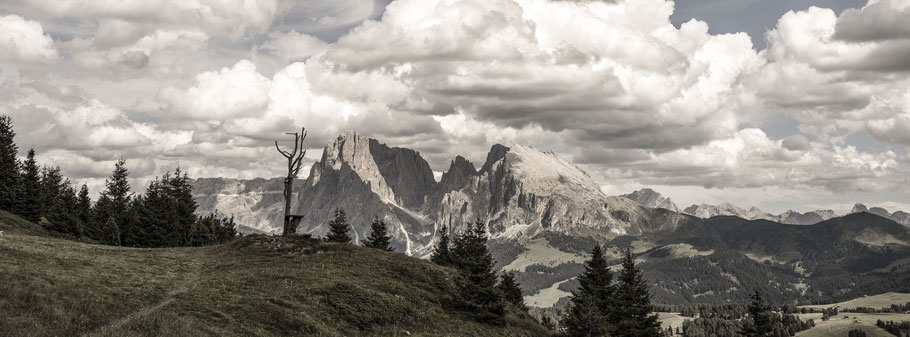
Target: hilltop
{"x":254,"y":286}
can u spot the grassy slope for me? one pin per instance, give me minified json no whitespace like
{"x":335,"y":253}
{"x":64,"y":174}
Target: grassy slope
{"x":256,"y":286}
{"x":838,"y":326}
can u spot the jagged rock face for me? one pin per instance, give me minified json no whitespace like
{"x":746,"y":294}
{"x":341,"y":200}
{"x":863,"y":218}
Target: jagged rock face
{"x":523,"y":191}
{"x":257,"y":204}
{"x":649,"y":198}
{"x":367,"y":179}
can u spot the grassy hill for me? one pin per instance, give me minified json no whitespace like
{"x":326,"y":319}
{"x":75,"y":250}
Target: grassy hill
{"x":255,"y":286}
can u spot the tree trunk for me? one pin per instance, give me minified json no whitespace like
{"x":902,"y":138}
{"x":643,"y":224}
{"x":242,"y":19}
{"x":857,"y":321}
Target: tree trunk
{"x":288,"y":185}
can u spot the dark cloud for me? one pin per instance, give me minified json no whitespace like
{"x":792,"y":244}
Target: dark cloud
{"x":135,"y":59}
{"x":796,"y":143}
{"x":874,"y":22}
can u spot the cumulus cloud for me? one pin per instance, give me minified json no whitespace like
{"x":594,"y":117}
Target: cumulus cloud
{"x":24,"y":40}
{"x":834,"y":80}
{"x":879,"y":20}
{"x":750,"y":159}
{"x":613,"y":84}
{"x":293,"y":45}
{"x":229,"y":18}
{"x":641,"y":84}
{"x":220,"y":95}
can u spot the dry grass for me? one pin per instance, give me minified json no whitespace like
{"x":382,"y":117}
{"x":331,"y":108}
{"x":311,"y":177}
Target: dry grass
{"x":256,"y":286}
{"x":839,"y":327}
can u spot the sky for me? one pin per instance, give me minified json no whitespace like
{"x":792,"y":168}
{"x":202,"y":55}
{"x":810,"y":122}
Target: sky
{"x":780,"y":104}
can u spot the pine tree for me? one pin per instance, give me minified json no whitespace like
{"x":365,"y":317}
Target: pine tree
{"x":479,"y":295}
{"x":63,"y":215}
{"x":10,"y":178}
{"x":166,"y":214}
{"x":83,"y":210}
{"x":759,"y":323}
{"x":441,"y":252}
{"x":634,"y":318}
{"x":31,"y":205}
{"x":110,"y":232}
{"x":592,"y":309}
{"x":51,"y":194}
{"x":379,"y":237}
{"x":114,"y":204}
{"x":511,"y":291}
{"x":338,"y":228}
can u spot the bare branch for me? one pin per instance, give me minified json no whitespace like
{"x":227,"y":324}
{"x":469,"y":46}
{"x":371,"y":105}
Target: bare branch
{"x":287,"y":155}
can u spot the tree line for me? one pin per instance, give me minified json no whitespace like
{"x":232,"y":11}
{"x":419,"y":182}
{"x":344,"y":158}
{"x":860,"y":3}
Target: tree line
{"x":899,"y":329}
{"x":164,"y":216}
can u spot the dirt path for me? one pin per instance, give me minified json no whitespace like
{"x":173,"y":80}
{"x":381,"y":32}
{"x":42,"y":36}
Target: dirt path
{"x":185,"y":284}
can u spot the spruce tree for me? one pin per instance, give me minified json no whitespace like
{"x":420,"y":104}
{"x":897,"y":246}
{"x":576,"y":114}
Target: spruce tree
{"x":511,"y":291}
{"x":759,"y":323}
{"x":110,"y":232}
{"x":165,"y":214}
{"x":379,"y":237}
{"x":63,"y":214}
{"x":479,"y":295}
{"x":83,"y":210}
{"x":31,"y":205}
{"x":442,"y":252}
{"x":114,"y":204}
{"x":51,"y":194}
{"x":634,"y":317}
{"x":338,"y":228}
{"x":10,"y":177}
{"x":593,"y":309}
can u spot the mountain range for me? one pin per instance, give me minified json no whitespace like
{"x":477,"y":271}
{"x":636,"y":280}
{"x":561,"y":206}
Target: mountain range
{"x":650,"y":198}
{"x":544,"y":214}
{"x":519,"y":190}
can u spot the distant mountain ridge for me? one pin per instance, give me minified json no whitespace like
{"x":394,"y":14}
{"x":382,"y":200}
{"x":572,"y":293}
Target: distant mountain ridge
{"x":650,"y":198}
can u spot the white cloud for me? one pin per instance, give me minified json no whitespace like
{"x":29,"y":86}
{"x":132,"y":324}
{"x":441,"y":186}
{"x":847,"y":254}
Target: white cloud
{"x":227,"y":18}
{"x":293,"y":45}
{"x":641,"y":83}
{"x":24,"y":40}
{"x":220,"y":95}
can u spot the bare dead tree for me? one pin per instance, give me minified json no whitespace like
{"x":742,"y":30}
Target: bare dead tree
{"x":295,"y":160}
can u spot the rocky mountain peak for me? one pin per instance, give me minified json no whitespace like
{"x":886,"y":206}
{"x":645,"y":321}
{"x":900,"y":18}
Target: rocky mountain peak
{"x":650,"y":198}
{"x":497,"y":153}
{"x":859,"y":208}
{"x":352,"y":150}
{"x":460,"y":172}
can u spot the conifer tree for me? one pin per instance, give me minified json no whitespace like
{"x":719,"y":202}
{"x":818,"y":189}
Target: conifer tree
{"x":51,"y":194}
{"x":634,"y":317}
{"x":165,"y":215}
{"x":10,"y":178}
{"x":379,"y":237}
{"x":110,"y":232}
{"x":479,"y":295}
{"x":114,"y":204}
{"x":759,"y":323}
{"x":442,"y":252}
{"x":511,"y":291}
{"x":83,"y":210}
{"x":62,"y":216}
{"x":30,"y":208}
{"x":593,"y":308}
{"x":339,"y":227}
